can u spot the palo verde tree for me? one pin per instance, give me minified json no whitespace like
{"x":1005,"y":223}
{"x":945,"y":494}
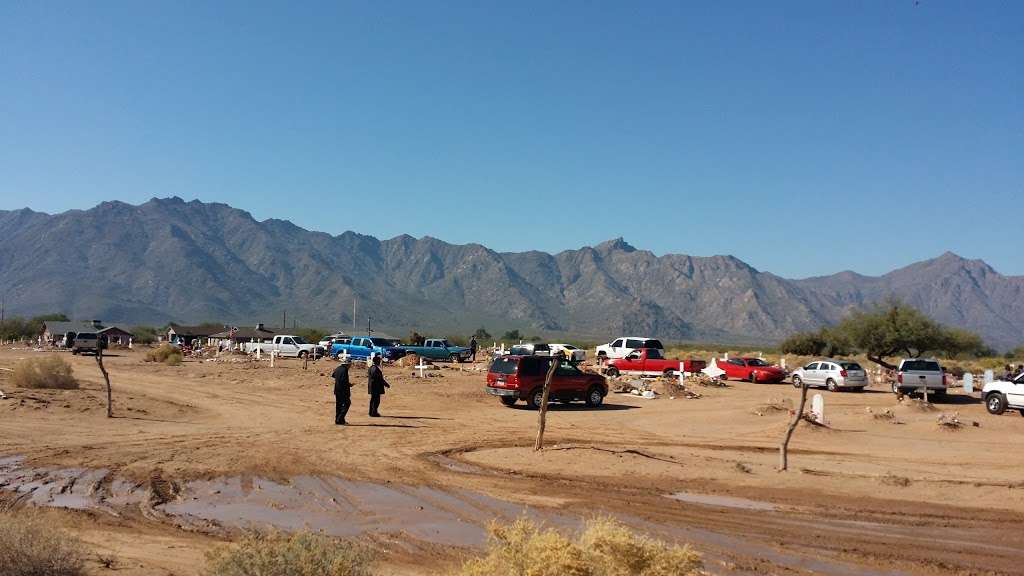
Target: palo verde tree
{"x":889,"y":329}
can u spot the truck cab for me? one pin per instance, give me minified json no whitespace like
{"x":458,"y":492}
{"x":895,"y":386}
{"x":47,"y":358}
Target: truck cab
{"x":650,"y":362}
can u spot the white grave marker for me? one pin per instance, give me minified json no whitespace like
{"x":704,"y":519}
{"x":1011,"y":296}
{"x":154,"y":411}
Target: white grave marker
{"x":682,"y":372}
{"x":421,"y":367}
{"x":273,"y":354}
{"x":969,"y":383}
{"x":989,"y":376}
{"x":818,"y":408}
{"x":712,"y":370}
{"x":259,"y":351}
{"x":782,"y":362}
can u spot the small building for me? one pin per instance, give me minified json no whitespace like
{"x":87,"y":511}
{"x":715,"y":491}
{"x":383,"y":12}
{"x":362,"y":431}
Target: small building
{"x":117,"y":336}
{"x":233,"y":337}
{"x":54,"y":332}
{"x":180,"y":334}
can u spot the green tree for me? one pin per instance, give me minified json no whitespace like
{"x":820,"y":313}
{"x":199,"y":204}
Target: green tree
{"x":512,"y":335}
{"x":482,"y":334}
{"x":887,"y":330}
{"x":144,"y":334}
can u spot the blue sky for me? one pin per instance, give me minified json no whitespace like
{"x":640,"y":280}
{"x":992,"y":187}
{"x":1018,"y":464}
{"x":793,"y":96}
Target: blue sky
{"x":802,"y":137}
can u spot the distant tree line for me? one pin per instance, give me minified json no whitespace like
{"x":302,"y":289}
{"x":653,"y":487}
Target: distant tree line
{"x":888,"y":330}
{"x":19,"y":328}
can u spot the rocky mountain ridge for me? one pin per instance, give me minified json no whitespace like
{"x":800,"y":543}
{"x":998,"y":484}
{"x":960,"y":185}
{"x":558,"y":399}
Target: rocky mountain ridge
{"x":190,"y":261}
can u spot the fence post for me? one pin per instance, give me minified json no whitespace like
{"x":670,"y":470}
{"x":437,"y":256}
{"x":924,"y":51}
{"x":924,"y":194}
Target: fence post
{"x":539,"y":445}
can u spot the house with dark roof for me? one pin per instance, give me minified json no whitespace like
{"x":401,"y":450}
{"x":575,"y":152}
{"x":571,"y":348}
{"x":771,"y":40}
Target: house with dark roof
{"x":117,"y":336}
{"x":54,"y":332}
{"x":235,"y":336}
{"x":182,"y":334}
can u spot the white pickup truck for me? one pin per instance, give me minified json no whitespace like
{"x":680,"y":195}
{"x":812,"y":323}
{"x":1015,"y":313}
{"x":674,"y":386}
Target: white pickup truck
{"x":286,"y":345}
{"x":914,"y":374}
{"x":1003,"y":395}
{"x":622,"y":347}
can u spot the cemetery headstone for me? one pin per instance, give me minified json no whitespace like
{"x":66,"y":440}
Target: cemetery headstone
{"x":989,"y":376}
{"x":969,"y":383}
{"x":818,"y":408}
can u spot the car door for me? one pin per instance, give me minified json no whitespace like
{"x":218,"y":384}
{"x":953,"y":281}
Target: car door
{"x":568,"y":380}
{"x":822,"y":374}
{"x":289,"y":347}
{"x":1015,"y":393}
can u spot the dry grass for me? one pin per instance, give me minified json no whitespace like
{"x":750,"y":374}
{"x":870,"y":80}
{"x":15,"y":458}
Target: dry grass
{"x":32,"y":545}
{"x":165,"y":354}
{"x":605,"y":548}
{"x":302,"y":554}
{"x":49,"y":371}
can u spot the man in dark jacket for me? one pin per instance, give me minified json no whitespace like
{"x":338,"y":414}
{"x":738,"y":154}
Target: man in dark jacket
{"x":376,"y":385}
{"x":472,"y":347}
{"x":342,"y":392}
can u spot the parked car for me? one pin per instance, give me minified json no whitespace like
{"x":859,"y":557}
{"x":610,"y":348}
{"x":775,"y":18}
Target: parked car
{"x":363,"y":347}
{"x":1003,"y":395}
{"x":439,"y":349}
{"x":531,"y":349}
{"x":622,"y":347}
{"x":913,"y":374}
{"x":832,"y":374}
{"x":750,"y":369}
{"x":513,"y":378}
{"x":571,"y":352}
{"x":87,"y":343}
{"x":327,"y":341}
{"x":651,"y":362}
{"x":286,"y":345}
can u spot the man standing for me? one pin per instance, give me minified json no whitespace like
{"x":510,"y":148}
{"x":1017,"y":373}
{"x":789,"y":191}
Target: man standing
{"x":342,"y":392}
{"x":375,"y":386}
{"x":472,"y":347}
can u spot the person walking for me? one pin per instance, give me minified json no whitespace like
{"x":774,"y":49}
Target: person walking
{"x":342,"y":392}
{"x":472,"y":348}
{"x":376,"y":385}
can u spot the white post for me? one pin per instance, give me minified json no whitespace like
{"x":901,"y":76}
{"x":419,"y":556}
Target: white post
{"x":726,"y":357}
{"x":421,"y":367}
{"x":273,"y":354}
{"x":818,"y":408}
{"x":782,"y":362}
{"x":129,"y":342}
{"x":259,"y":351}
{"x":682,"y":374}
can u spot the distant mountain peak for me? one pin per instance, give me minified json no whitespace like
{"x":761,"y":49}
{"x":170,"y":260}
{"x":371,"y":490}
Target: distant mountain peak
{"x":615,"y":245}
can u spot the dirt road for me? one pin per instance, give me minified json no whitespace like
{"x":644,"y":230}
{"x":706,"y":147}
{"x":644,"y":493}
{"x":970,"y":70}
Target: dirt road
{"x":201,"y":449}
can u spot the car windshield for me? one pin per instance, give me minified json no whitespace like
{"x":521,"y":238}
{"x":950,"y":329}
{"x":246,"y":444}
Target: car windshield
{"x":504,"y":365}
{"x":82,"y":336}
{"x":445,"y":344}
{"x":921,"y":365}
{"x":757,"y":362}
{"x":850,"y":366}
{"x":654,"y":354}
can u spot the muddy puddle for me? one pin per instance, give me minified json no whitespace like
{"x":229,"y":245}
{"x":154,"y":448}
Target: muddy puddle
{"x":348,"y":508}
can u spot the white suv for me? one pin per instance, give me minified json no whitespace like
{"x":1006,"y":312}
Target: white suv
{"x":626,"y":345}
{"x":832,"y":374}
{"x":1003,"y":394}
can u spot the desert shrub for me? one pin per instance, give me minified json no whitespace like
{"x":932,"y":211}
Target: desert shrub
{"x":49,"y":371}
{"x":32,"y":545}
{"x":166,"y":354}
{"x":605,"y":548}
{"x":301,"y":554}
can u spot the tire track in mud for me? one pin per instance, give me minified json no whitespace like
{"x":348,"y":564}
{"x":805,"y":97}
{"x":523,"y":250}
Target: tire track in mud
{"x":912,"y":538}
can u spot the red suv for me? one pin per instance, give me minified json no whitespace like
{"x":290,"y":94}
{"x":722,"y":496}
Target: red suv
{"x":512,"y":378}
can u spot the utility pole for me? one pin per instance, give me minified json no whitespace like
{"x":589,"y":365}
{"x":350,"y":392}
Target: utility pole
{"x":284,"y":319}
{"x":353,"y":314}
{"x":368,"y":331}
{"x":3,"y":307}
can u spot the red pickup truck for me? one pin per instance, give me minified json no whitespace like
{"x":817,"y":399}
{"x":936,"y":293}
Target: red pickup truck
{"x":650,"y":362}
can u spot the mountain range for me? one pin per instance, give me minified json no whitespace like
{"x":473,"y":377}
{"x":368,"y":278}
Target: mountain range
{"x":168,"y":259}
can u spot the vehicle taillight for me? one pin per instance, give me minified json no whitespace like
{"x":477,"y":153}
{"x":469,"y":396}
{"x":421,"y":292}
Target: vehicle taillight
{"x":842,"y":373}
{"x":512,"y":381}
{"x":899,"y":377}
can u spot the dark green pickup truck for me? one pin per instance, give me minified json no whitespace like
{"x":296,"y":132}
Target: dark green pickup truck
{"x":439,"y":349}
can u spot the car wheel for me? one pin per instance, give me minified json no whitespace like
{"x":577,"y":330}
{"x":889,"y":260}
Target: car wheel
{"x":535,"y":398}
{"x":995,"y":403}
{"x":613,"y":372}
{"x":453,"y":358}
{"x":896,"y":388}
{"x":831,"y":385}
{"x":669,"y":373}
{"x":858,"y":389}
{"x":302,"y":354}
{"x":594,"y":397}
{"x":509,"y":400}
{"x":797,"y":382}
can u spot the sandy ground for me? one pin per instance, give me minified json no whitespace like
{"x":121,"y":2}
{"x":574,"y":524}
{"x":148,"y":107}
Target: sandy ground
{"x":196,"y":451}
